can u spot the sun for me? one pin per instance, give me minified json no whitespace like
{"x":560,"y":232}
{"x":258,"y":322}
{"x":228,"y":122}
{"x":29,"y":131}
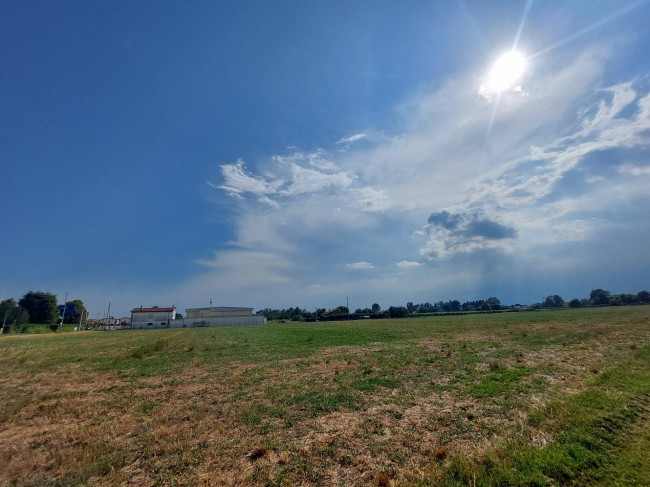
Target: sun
{"x":507,"y":71}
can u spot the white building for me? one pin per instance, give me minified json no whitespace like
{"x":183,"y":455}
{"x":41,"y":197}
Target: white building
{"x":145,"y":318}
{"x":220,"y":316}
{"x":148,"y":318}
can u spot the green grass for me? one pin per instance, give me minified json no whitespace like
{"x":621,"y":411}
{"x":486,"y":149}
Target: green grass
{"x":539,"y":398}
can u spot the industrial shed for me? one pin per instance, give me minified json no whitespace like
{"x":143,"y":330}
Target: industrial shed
{"x":149,"y":318}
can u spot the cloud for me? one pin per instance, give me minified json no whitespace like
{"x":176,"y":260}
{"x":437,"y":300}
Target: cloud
{"x":515,"y":185}
{"x":360,"y":265}
{"x":351,"y":139}
{"x":452,"y":233}
{"x":407,"y":264}
{"x":238,"y":181}
{"x":310,"y":181}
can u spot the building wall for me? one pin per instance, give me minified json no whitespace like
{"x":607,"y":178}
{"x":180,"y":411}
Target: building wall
{"x":156,"y":319}
{"x":218,"y":321}
{"x":212,"y":313}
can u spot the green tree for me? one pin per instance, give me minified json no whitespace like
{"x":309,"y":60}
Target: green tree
{"x":12,"y":314}
{"x":575,"y":303}
{"x":643,"y":296}
{"x":495,"y":303}
{"x":376,"y":308}
{"x":42,"y":307}
{"x":599,"y":297}
{"x":79,"y":310}
{"x":554,"y":301}
{"x":398,"y":312}
{"x":629,"y":298}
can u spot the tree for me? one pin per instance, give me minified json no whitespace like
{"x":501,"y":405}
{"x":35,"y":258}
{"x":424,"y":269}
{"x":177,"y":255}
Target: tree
{"x":398,"y":312}
{"x":495,"y":303}
{"x":42,"y":307}
{"x":79,"y":310}
{"x":615,"y":301}
{"x":376,"y":308}
{"x":554,"y":301}
{"x":628,"y":298}
{"x":575,"y":303}
{"x":643,"y":296}
{"x":599,"y":297}
{"x":12,"y":314}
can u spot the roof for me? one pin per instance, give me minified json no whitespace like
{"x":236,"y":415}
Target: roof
{"x":218,"y":308}
{"x":152,"y":310}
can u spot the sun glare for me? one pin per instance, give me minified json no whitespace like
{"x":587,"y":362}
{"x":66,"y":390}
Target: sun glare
{"x":507,"y":71}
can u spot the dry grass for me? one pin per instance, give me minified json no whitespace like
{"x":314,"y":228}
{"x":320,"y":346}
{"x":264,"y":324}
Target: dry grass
{"x":286,"y":422}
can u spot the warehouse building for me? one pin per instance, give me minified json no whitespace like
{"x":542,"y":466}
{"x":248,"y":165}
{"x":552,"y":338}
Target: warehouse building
{"x":149,"y":318}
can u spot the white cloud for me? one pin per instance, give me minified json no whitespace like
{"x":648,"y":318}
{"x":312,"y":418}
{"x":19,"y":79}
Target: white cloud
{"x":310,"y":181}
{"x":351,"y":139}
{"x":504,"y":183}
{"x":237,"y":181}
{"x":407,"y":264}
{"x":635,"y":170}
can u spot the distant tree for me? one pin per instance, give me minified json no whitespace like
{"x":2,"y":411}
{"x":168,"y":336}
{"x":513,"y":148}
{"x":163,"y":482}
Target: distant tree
{"x":179,"y":316}
{"x":42,"y":307}
{"x":643,"y":296}
{"x":410,"y":306}
{"x":599,"y":297}
{"x":79,"y":310}
{"x":485,"y":306}
{"x":615,"y":301}
{"x":575,"y":303}
{"x":320,"y":311}
{"x":398,"y":312}
{"x":376,"y":308}
{"x":12,"y":314}
{"x":628,"y":298}
{"x":554,"y":301}
{"x":494,"y":303}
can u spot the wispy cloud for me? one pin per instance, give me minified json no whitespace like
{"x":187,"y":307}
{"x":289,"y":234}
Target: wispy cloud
{"x":350,"y":139}
{"x":360,"y":265}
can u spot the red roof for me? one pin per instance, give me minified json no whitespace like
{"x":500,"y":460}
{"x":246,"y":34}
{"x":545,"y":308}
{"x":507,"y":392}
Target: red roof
{"x":152,"y":310}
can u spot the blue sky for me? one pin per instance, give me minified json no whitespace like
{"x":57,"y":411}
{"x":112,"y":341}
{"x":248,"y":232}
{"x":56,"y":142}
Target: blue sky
{"x":275,"y":154}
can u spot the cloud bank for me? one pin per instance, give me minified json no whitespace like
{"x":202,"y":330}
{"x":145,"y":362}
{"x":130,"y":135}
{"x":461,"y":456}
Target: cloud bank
{"x":523,"y":181}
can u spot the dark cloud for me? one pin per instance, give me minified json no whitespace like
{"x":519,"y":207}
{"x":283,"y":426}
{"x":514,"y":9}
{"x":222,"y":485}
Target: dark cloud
{"x":488,"y":229}
{"x":446,"y":220}
{"x":471,"y":225}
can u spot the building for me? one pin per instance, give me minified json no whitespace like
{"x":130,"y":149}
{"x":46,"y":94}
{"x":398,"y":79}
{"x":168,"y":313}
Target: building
{"x":146,"y":318}
{"x":125,"y":322}
{"x":220,"y":316}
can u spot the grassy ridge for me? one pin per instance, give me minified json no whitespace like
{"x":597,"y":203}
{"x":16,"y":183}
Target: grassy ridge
{"x":545,"y":398}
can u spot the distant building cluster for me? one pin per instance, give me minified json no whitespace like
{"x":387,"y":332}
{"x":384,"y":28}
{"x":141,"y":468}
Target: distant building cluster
{"x":149,"y":318}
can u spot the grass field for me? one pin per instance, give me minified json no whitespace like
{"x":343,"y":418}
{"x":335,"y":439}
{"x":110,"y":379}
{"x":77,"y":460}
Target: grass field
{"x":537,"y":398}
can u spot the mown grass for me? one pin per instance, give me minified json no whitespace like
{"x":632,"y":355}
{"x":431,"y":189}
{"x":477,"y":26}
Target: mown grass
{"x":543,"y":398}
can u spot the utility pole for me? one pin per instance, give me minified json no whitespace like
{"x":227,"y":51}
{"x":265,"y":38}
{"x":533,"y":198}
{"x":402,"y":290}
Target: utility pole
{"x":347,"y":305}
{"x":63,"y":314}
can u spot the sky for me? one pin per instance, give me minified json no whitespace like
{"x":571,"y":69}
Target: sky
{"x":288,"y":153}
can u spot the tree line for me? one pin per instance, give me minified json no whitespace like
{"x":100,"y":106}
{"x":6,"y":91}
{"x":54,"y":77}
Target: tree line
{"x":597,"y":297}
{"x":37,"y":307}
